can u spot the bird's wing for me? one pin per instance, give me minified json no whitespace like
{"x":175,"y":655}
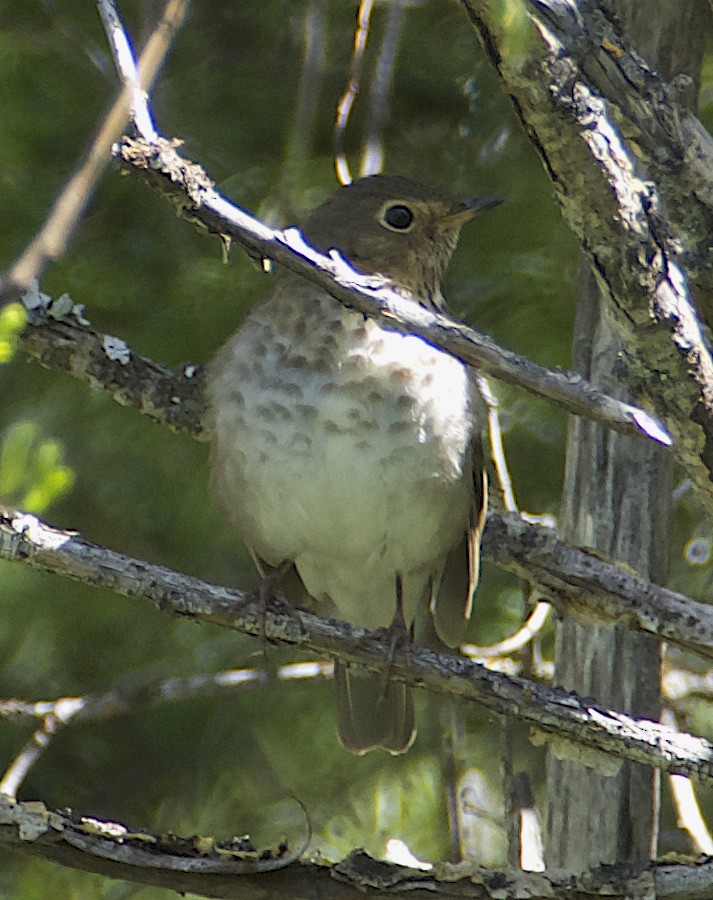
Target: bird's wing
{"x":452,"y":602}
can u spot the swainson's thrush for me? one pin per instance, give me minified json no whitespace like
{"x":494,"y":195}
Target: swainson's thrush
{"x":355,"y":452}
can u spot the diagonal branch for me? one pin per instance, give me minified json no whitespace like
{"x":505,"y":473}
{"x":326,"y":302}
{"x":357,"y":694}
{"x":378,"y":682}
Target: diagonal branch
{"x":189,"y":188}
{"x":639,"y":260}
{"x":51,"y":242}
{"x":570,"y":576}
{"x":67,"y":343}
{"x":554,"y":714}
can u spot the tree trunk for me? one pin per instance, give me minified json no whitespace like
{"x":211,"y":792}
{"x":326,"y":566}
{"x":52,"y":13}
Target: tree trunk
{"x":616,"y":500}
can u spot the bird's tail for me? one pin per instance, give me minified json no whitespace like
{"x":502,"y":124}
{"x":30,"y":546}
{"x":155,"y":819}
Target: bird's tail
{"x":371,"y":714}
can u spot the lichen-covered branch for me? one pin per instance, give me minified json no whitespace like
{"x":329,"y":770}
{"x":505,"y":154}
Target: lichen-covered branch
{"x":68,"y":343}
{"x":607,"y":199}
{"x":190,"y":190}
{"x":118,"y":851}
{"x":577,"y":581}
{"x":77,"y":842}
{"x":554,"y":714}
{"x":656,"y":117}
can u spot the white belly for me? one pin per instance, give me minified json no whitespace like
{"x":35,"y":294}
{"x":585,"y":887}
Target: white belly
{"x":355,"y":471}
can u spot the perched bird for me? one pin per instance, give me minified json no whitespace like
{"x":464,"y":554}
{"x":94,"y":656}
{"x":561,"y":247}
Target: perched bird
{"x":355,"y":452}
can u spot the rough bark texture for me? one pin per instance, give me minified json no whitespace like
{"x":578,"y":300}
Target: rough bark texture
{"x":616,"y":500}
{"x":611,"y":488}
{"x":552,"y":714}
{"x":621,"y":153}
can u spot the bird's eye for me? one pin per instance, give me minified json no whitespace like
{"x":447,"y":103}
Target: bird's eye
{"x":398,"y":217}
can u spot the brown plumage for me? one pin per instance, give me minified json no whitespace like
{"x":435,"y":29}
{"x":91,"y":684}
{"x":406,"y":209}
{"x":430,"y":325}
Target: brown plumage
{"x":355,"y":452}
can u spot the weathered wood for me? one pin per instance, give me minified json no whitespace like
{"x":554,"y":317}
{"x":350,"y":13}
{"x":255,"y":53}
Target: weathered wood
{"x":616,"y":500}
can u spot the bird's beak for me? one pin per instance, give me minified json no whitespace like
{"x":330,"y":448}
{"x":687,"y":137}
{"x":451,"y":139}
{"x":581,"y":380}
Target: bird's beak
{"x":465,"y":210}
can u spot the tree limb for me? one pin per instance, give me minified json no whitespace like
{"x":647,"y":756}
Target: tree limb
{"x":578,"y":581}
{"x":190,"y":190}
{"x":553,"y":713}
{"x":61,"y":838}
{"x":65,"y":341}
{"x":611,"y":207}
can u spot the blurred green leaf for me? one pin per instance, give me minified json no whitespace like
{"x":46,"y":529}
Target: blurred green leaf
{"x":32,"y":473}
{"x":13,"y":319}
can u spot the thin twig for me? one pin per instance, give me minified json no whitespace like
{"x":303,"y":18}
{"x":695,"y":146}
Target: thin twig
{"x":346,"y":101}
{"x":51,"y":242}
{"x":513,"y":644}
{"x":59,"y":713}
{"x":372,"y":153}
{"x":688,"y":810}
{"x":119,"y":701}
{"x":18,"y":769}
{"x":497,"y":448}
{"x":125,"y":64}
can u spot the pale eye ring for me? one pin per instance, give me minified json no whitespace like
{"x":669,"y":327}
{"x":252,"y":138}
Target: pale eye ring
{"x":398,"y":217}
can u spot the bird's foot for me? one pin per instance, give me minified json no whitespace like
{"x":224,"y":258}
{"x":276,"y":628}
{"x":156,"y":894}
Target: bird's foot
{"x":269,"y":592}
{"x":398,"y":633}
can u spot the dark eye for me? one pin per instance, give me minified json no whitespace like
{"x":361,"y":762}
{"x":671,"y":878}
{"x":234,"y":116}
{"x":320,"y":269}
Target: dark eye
{"x":398,"y":217}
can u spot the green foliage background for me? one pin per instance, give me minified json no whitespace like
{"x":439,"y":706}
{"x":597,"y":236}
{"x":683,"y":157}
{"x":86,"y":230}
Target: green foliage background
{"x":229,"y":90}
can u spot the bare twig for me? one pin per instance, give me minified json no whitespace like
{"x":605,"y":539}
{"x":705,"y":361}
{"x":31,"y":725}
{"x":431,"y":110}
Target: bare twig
{"x":372,"y":153}
{"x":119,"y":701}
{"x":58,"y":713}
{"x":279,"y":204}
{"x":18,"y":769}
{"x":554,"y":714}
{"x":126,"y":66}
{"x":688,"y":811}
{"x":346,"y":101}
{"x":533,"y":625}
{"x":53,"y":238}
{"x":189,"y":187}
{"x":497,"y":448}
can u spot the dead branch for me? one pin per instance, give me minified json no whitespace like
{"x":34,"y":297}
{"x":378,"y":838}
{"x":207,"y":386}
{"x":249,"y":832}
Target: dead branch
{"x":554,"y":714}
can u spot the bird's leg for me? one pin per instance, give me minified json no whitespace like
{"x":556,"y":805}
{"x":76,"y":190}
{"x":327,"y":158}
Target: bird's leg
{"x":270,"y":580}
{"x":397,"y":632}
